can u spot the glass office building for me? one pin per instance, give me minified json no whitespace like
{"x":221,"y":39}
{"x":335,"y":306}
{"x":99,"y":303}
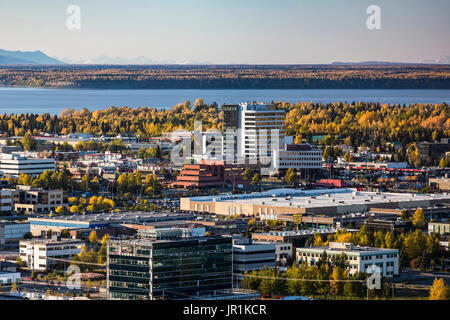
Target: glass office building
{"x":168,"y":269}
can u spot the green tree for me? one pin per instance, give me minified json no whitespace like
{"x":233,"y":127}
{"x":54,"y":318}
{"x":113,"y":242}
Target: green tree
{"x":28,"y":142}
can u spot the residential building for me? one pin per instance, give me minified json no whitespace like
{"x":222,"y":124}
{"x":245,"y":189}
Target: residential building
{"x":14,"y":164}
{"x":168,"y":269}
{"x":211,"y":174}
{"x":359,"y":258}
{"x":28,"y":199}
{"x":41,"y":254}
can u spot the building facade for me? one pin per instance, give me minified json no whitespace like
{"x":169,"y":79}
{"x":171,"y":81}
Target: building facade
{"x":252,"y":124}
{"x":360,"y":259}
{"x":14,"y":165}
{"x":40,"y":254}
{"x":211,"y":174}
{"x":297,"y":156}
{"x":37,"y":200}
{"x":439,"y":227}
{"x":6,"y":201}
{"x":11,"y":233}
{"x":249,"y":256}
{"x":175,"y":269}
{"x":277,"y":203}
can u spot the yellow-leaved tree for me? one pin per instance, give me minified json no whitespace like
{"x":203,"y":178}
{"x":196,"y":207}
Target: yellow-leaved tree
{"x":419,"y":218}
{"x":439,"y":291}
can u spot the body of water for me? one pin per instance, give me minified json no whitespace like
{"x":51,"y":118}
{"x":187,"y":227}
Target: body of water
{"x":37,"y":100}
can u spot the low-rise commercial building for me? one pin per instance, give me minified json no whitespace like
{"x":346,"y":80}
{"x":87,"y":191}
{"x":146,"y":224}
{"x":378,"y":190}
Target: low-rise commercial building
{"x":6,"y":201}
{"x":360,"y":259}
{"x":37,"y":200}
{"x":283,"y":252}
{"x":211,"y":174}
{"x":168,"y":269}
{"x":41,"y":254}
{"x":296,"y":156}
{"x":330,"y":202}
{"x":442,"y":227}
{"x":249,"y":256}
{"x":11,"y":233}
{"x":297,"y":238}
{"x":14,"y":164}
{"x":41,"y":225}
{"x":7,"y":278}
{"x":442,"y":184}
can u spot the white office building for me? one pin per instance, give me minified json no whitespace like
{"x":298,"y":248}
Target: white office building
{"x":15,"y":164}
{"x":297,"y":156}
{"x":41,"y":254}
{"x":253,"y":124}
{"x":360,"y":259}
{"x":7,"y":278}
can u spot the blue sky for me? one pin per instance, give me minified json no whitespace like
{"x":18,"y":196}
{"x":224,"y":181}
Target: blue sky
{"x":230,"y":31}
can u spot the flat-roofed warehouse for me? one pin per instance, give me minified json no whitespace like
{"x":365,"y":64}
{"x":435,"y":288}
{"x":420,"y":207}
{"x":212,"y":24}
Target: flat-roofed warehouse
{"x":270,"y":204}
{"x":40,"y":225}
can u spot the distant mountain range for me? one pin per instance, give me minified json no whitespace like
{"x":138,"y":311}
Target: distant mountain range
{"x":139,"y":60}
{"x":26,"y":58}
{"x":441,"y":60}
{"x":40,"y":58}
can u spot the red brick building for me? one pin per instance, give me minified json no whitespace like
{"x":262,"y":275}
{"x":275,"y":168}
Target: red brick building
{"x":211,"y":173}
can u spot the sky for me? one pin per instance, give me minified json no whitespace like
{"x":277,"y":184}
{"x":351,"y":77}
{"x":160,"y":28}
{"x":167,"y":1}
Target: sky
{"x":230,"y":31}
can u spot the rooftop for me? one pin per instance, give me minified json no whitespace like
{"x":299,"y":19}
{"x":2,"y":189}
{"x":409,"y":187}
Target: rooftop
{"x":118,"y":217}
{"x":309,"y":232}
{"x":349,"y":247}
{"x":320,"y":198}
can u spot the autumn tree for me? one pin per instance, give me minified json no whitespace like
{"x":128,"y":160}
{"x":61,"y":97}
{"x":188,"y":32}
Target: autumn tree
{"x":93,"y":238}
{"x":291,"y":176}
{"x":256,"y":178}
{"x":439,"y":291}
{"x":419,"y":218}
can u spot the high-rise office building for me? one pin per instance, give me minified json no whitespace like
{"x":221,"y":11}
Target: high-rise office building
{"x":258,"y":129}
{"x":168,"y":269}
